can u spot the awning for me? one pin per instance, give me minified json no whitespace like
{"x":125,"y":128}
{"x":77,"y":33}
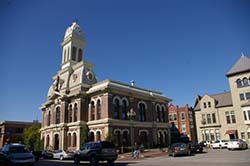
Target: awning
{"x":231,"y":131}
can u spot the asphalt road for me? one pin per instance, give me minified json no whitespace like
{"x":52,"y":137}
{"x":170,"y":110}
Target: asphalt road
{"x":211,"y":157}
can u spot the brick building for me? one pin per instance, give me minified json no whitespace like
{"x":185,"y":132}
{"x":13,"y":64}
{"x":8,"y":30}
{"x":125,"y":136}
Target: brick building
{"x":13,"y":131}
{"x":184,"y":120}
{"x":110,"y":109}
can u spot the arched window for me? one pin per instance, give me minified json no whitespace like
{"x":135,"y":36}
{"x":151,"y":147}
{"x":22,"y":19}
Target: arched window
{"x":75,"y":112}
{"x":64,"y":55}
{"x":74,"y":139}
{"x":92,"y":110}
{"x":245,"y":82}
{"x":144,"y":137}
{"x":49,"y":119}
{"x":47,"y":141}
{"x":239,"y":83}
{"x":125,"y":138}
{"x":73,"y":55}
{"x":158,"y":114}
{"x":91,"y":136}
{"x":124,"y":109}
{"x":142,"y":112}
{"x":98,"y":136}
{"x":69,"y":140}
{"x":99,"y":110}
{"x":79,"y":55}
{"x":117,"y":137}
{"x":70,"y":113}
{"x":116,"y":109}
{"x":58,"y":115}
{"x":163,"y":114}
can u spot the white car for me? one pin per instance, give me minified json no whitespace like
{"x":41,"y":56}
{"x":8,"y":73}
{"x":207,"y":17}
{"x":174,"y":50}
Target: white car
{"x":237,"y":144}
{"x":219,"y":144}
{"x":61,"y":154}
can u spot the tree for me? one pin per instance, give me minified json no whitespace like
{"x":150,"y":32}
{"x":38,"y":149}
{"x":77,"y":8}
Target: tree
{"x":31,"y":137}
{"x":84,"y":133}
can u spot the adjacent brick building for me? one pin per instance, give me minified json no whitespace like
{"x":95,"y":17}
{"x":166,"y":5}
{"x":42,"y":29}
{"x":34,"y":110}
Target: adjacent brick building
{"x":13,"y":131}
{"x":110,"y":109}
{"x":184,"y":120}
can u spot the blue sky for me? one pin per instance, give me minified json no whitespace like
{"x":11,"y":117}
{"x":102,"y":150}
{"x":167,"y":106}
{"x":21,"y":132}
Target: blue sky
{"x":181,"y":48}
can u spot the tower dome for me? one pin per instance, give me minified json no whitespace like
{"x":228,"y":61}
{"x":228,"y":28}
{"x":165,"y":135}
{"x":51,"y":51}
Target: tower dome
{"x":74,"y":30}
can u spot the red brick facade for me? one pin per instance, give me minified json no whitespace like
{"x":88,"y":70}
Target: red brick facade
{"x":184,"y":120}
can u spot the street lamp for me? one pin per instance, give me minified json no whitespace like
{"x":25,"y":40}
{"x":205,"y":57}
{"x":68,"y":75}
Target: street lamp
{"x":131,"y":114}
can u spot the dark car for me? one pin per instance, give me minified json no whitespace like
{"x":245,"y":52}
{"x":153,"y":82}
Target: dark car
{"x":47,"y":154}
{"x":15,"y":154}
{"x":196,"y":147}
{"x":179,"y":149}
{"x":95,"y":152}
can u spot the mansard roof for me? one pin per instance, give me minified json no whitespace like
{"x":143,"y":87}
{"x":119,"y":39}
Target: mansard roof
{"x":241,"y":66}
{"x":221,"y":100}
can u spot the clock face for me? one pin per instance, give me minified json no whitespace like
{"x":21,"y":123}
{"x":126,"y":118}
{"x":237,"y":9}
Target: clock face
{"x":90,"y":75}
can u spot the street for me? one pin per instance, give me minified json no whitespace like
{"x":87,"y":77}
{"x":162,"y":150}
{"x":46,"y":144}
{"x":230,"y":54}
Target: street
{"x":210,"y":157}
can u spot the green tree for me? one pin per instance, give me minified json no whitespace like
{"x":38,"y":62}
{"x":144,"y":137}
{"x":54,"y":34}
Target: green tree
{"x":84,"y":133}
{"x":31,"y":137}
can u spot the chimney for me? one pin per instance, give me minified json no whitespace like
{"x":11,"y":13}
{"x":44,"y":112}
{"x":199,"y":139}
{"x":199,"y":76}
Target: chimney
{"x":132,"y":83}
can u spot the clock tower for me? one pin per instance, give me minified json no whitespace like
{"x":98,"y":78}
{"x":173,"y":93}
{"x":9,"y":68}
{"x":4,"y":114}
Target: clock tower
{"x":73,"y":45}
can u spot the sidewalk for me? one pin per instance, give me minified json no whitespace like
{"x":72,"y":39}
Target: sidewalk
{"x":148,"y":153}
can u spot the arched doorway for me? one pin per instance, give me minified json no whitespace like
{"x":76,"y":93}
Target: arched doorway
{"x":56,"y":143}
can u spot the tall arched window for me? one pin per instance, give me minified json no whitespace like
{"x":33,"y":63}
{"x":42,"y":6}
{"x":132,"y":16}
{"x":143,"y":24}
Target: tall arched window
{"x":99,"y":110}
{"x":69,"y":140}
{"x":117,"y":137}
{"x":124,"y":109}
{"x":58,"y":115}
{"x":47,"y":141}
{"x":74,"y":139}
{"x":49,"y":118}
{"x":142,"y":112}
{"x":158,"y":113}
{"x":79,"y":55}
{"x":163,"y":114}
{"x":70,"y":113}
{"x":116,"y":109}
{"x":75,"y":112}
{"x":92,"y":110}
{"x":239,"y":83}
{"x":64,"y":55}
{"x":98,"y":136}
{"x":125,"y":138}
{"x":73,"y":55}
{"x":91,"y":136}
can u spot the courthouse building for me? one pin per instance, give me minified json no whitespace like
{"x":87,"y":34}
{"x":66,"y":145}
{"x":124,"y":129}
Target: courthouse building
{"x":111,"y":110}
{"x":226,"y":115}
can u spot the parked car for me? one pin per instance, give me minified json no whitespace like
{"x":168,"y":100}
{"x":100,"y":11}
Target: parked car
{"x":196,"y":147}
{"x":62,"y":154}
{"x":47,"y":154}
{"x":219,"y":144}
{"x":95,"y":152}
{"x":179,"y":149}
{"x":237,"y":144}
{"x":15,"y":154}
{"x":205,"y":143}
